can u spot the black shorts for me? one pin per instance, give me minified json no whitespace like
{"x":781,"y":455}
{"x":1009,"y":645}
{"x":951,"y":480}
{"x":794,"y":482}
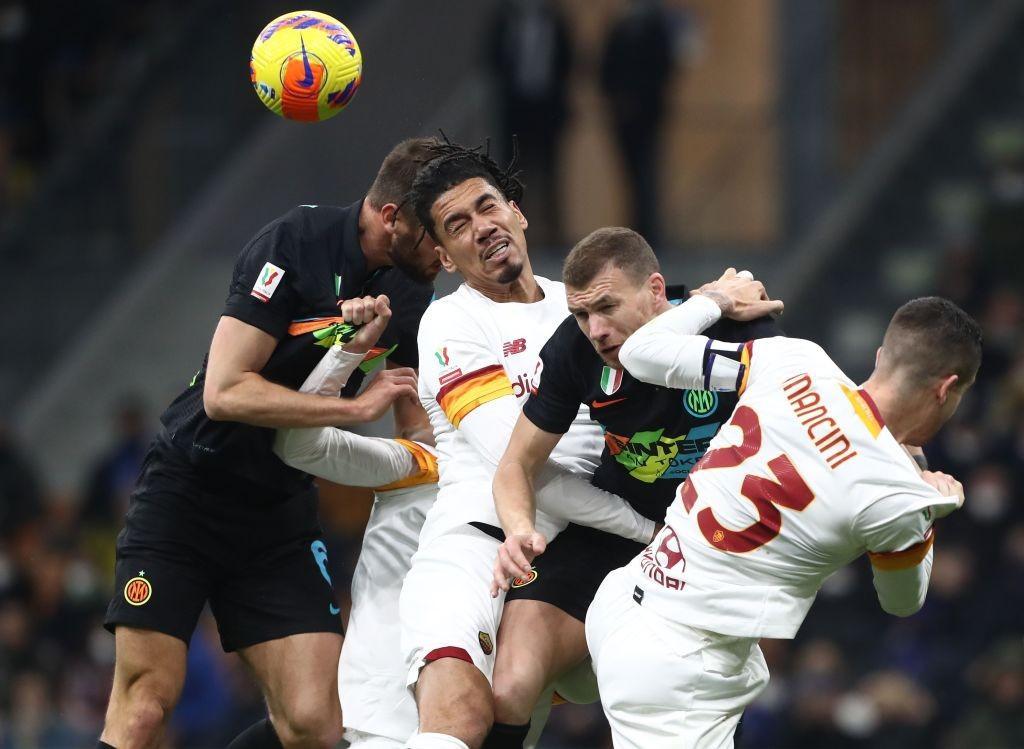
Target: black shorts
{"x":575,"y":564}
{"x":262,"y":566}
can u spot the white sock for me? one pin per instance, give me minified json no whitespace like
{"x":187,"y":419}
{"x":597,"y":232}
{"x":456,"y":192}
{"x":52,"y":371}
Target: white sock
{"x":435,"y":741}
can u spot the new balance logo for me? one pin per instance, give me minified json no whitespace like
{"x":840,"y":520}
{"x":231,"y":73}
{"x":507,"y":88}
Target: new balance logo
{"x":511,"y":348}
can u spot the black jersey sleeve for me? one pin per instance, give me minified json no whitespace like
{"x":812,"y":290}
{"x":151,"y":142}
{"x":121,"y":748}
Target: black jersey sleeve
{"x":264,"y":284}
{"x":556,"y":401}
{"x":732,"y":331}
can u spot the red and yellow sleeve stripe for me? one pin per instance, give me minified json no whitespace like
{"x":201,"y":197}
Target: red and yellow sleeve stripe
{"x":890,"y":561}
{"x":746,"y":354}
{"x":425,"y":461}
{"x":459,"y":397}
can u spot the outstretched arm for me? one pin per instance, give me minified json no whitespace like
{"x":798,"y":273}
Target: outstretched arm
{"x":669,"y":350}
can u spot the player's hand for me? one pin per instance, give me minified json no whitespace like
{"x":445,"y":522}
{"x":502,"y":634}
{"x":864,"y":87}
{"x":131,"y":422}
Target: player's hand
{"x":372,"y":314}
{"x":947,"y":486}
{"x":740,"y":296}
{"x":515,"y":559}
{"x":387,"y":387}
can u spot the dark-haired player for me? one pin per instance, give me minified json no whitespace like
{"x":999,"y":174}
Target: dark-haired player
{"x":653,"y":437}
{"x":808,"y":475}
{"x":216,"y":517}
{"x":479,"y":362}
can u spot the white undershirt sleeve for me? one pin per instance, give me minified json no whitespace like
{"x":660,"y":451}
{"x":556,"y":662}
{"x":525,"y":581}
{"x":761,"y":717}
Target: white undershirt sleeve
{"x":335,"y":454}
{"x":669,"y":350}
{"x":557,"y":491}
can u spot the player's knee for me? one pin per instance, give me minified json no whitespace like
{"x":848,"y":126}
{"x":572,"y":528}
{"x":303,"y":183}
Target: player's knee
{"x":469,"y":717}
{"x":309,"y":718}
{"x":515,"y":694}
{"x":144,"y":711}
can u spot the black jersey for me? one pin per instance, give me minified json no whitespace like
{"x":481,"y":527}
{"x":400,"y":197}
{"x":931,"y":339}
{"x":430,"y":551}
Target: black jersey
{"x":288,"y":282}
{"x":653,"y":435}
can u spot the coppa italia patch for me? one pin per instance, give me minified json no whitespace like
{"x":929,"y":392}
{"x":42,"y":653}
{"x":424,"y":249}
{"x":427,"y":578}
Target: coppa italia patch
{"x":267,"y":282}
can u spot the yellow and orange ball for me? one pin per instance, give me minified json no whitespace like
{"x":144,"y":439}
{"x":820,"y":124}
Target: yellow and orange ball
{"x":305,"y":66}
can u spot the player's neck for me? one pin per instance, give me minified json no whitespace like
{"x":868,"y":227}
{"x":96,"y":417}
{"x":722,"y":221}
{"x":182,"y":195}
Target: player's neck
{"x":374,"y":239}
{"x":900,"y":415}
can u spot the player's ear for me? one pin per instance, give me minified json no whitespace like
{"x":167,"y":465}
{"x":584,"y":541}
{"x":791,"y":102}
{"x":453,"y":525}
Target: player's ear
{"x":519,"y":214}
{"x":946,"y":384}
{"x":656,"y":283}
{"x":389,"y":214}
{"x":446,"y":259}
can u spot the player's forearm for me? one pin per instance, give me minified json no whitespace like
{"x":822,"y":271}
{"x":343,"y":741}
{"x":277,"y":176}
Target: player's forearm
{"x":902,"y":592}
{"x":251,"y":399}
{"x":564,"y":495}
{"x":513,"y":498}
{"x":344,"y":457}
{"x":667,"y":350}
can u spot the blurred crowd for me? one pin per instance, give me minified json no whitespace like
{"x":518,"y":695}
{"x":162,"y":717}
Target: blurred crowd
{"x":57,"y":58}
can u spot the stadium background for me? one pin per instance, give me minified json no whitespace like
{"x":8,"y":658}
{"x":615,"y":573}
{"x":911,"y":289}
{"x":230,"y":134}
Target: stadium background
{"x":854,"y":153}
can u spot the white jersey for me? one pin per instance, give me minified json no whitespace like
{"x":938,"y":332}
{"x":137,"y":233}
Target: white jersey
{"x":805,"y":478}
{"x":473,"y":351}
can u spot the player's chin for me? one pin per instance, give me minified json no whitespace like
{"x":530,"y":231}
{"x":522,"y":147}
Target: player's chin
{"x":611,"y":357}
{"x":509,"y":272}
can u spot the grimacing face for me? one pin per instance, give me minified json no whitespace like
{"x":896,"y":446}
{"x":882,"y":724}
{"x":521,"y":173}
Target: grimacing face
{"x":612,"y":307}
{"x":482,"y":234}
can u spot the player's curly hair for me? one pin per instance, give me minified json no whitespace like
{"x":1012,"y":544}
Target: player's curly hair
{"x":450,"y":164}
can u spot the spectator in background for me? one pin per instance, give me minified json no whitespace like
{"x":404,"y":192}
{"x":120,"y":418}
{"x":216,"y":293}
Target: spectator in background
{"x":20,"y":498}
{"x":1002,"y":220}
{"x":636,"y":67}
{"x":113,"y":476}
{"x":529,"y":54}
{"x":994,"y":717}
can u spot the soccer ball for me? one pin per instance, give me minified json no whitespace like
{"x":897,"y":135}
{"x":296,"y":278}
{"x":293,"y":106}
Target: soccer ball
{"x":305,"y":66}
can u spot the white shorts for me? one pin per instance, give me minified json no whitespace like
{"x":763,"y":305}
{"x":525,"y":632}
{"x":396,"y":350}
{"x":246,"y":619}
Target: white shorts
{"x":446,"y":605}
{"x":371,"y":674}
{"x":664,"y":684}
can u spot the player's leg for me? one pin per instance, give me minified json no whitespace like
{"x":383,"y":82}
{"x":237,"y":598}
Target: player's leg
{"x":149,"y":672}
{"x":375,"y":701}
{"x":542,"y":635}
{"x":161,"y":583}
{"x":275,"y":606}
{"x":449,"y":625}
{"x":537,"y":642}
{"x":454,"y":700}
{"x":299,"y":679}
{"x":663,"y":684}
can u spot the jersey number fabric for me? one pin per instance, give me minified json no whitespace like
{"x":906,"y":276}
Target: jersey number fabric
{"x":788,"y":490}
